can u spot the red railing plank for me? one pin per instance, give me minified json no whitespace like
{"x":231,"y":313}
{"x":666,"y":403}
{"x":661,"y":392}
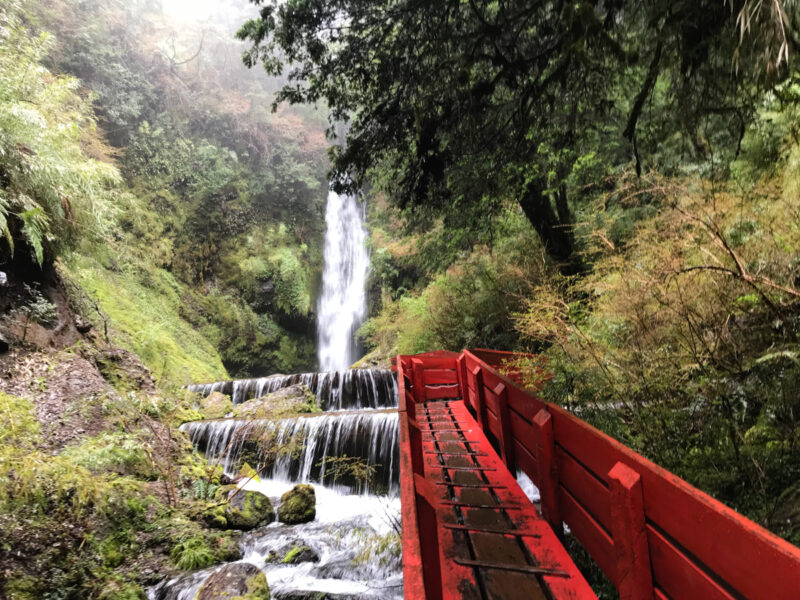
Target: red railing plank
{"x":592,"y":494}
{"x":440,"y":376}
{"x":589,"y":533}
{"x":679,"y":577}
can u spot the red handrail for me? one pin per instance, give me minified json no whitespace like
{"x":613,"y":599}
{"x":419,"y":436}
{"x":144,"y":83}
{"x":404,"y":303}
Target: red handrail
{"x":653,"y":534}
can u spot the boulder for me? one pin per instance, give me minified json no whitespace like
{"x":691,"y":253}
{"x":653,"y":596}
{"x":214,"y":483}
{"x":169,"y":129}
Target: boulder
{"x":285,"y":402}
{"x":242,"y":581}
{"x":216,"y":406}
{"x":298,"y":505}
{"x":244,"y":510}
{"x":299,"y":554}
{"x":4,"y":344}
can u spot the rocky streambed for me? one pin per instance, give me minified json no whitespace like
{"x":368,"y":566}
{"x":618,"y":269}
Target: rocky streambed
{"x":344,"y":542}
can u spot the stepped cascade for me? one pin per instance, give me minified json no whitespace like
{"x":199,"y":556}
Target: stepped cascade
{"x":300,"y":449}
{"x":336,"y":390}
{"x":342,"y":304}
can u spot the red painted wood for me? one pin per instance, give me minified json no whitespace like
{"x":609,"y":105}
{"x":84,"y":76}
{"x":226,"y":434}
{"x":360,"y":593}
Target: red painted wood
{"x":588,"y":490}
{"x":547,"y":475}
{"x":440,"y":376}
{"x":522,"y":432}
{"x":634,"y":578}
{"x":688,"y":515}
{"x":589,"y":533}
{"x":506,"y":434}
{"x":693,"y":540}
{"x":413,"y":583}
{"x":680,"y":577}
{"x":441,"y":391}
{"x":479,"y":403}
{"x":461,"y":371}
{"x":417,"y":379}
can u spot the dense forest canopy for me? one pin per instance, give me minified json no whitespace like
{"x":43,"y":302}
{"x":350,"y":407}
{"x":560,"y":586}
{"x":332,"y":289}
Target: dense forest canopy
{"x":459,"y":103}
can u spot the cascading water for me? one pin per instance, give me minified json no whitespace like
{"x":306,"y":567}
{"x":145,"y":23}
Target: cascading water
{"x":301,"y":448}
{"x":343,"y":303}
{"x":356,"y":508}
{"x":336,"y":390}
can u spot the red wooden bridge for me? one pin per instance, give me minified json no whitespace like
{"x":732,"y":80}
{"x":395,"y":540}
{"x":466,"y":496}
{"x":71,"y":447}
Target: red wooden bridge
{"x":470,"y":532}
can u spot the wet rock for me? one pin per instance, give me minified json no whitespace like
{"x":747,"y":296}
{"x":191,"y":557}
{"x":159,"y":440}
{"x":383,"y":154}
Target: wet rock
{"x":81,"y":324}
{"x":238,"y":580}
{"x":216,"y":406}
{"x":291,"y":400}
{"x":298,"y":505}
{"x":300,"y":554}
{"x":244,"y":510}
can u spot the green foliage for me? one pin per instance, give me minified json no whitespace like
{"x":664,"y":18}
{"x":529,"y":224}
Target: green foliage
{"x":144,"y":309}
{"x":50,"y":191}
{"x":192,"y":554}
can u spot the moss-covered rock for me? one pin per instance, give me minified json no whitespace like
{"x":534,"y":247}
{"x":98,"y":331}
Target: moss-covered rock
{"x":298,"y":505}
{"x":242,"y":581}
{"x":216,"y":406}
{"x":299,"y":554}
{"x":243,"y":510}
{"x":292,"y":400}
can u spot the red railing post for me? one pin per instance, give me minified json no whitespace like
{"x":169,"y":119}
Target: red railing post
{"x":507,"y":441}
{"x":634,"y":577}
{"x":547,"y":480}
{"x":461,"y":370}
{"x":480,"y":397}
{"x":418,"y":379}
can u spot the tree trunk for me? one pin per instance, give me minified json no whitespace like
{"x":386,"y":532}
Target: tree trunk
{"x":554,"y":229}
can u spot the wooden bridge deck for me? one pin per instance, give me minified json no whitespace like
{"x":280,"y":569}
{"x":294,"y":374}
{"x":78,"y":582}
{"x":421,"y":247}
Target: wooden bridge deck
{"x":469,"y":532}
{"x":490,"y":541}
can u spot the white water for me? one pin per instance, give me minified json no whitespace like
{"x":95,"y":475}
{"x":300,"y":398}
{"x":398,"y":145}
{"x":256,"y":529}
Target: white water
{"x":343,"y":302}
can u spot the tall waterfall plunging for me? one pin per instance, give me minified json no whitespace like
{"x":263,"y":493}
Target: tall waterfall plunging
{"x":343,"y":303}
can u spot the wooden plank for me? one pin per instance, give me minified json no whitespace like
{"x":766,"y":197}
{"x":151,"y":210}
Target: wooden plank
{"x":634,"y":578}
{"x":589,"y":533}
{"x":526,"y":405}
{"x":413,"y":583}
{"x":679,"y":577}
{"x":588,"y":490}
{"x":523,"y":432}
{"x":526,"y":462}
{"x":441,"y":392}
{"x":440,"y":376}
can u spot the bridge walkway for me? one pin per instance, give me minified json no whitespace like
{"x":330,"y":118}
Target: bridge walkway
{"x":469,"y":532}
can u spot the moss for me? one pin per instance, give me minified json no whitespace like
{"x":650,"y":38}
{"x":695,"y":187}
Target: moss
{"x":257,"y":588}
{"x":22,"y":588}
{"x":298,"y":505}
{"x":295,"y":554}
{"x":243,"y":509}
{"x":145,"y":319}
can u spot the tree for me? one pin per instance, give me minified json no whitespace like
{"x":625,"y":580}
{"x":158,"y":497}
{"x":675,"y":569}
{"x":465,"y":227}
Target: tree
{"x":458,"y":101}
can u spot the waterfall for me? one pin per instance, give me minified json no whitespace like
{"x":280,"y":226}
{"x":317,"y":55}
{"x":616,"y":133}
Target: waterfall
{"x":299,"y":449}
{"x":343,"y":302}
{"x":336,"y":390}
